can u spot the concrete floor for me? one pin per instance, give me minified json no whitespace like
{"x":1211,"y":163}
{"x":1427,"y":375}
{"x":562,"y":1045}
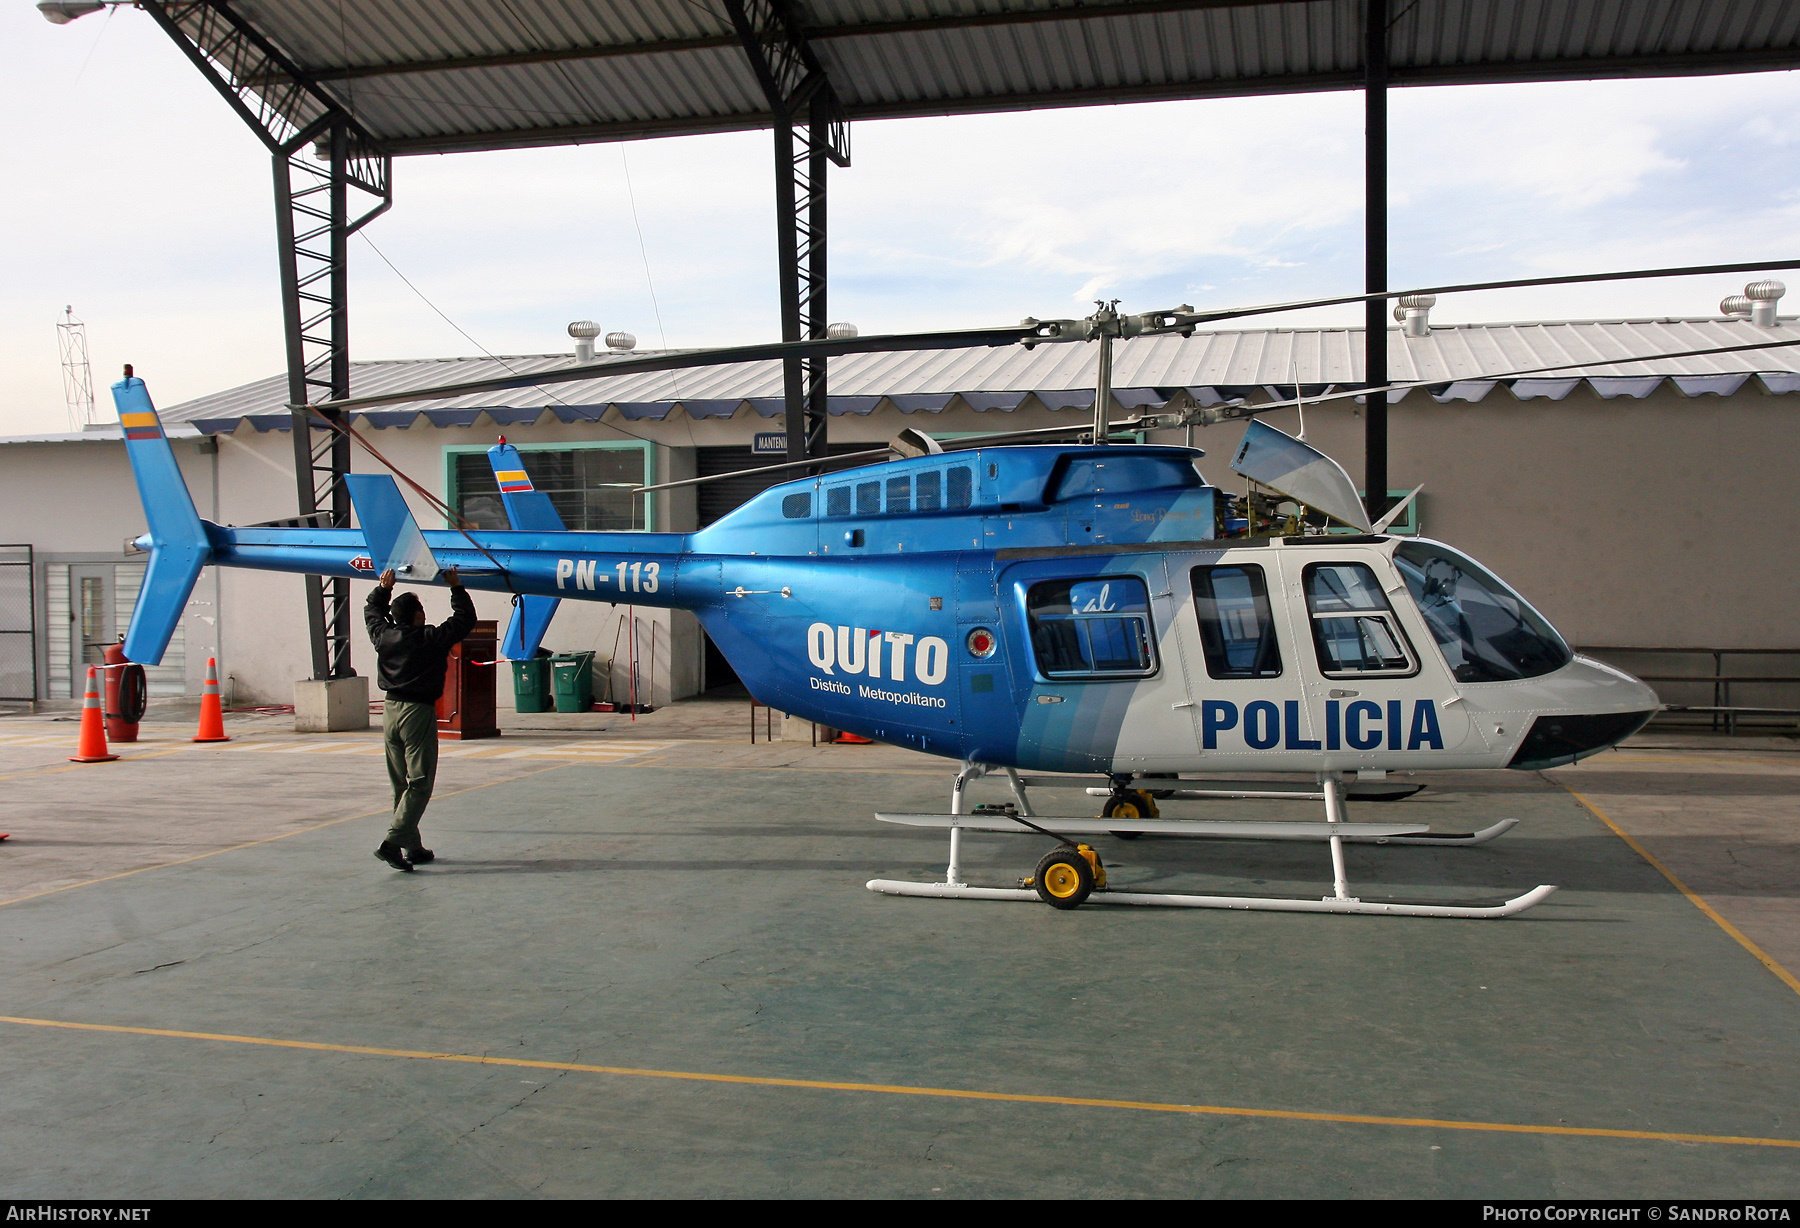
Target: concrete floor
{"x":269,"y":1011}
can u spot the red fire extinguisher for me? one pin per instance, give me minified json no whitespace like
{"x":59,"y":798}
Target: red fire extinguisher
{"x":127,"y":694}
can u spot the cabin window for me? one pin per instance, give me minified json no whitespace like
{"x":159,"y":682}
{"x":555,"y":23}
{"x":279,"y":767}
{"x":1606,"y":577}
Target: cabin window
{"x":1091,"y":628}
{"x":959,"y":484}
{"x":1237,"y":629}
{"x":797,"y":506}
{"x":928,"y":492}
{"x":1353,"y":625}
{"x":868,"y":498}
{"x":1487,"y":632}
{"x":837,"y":501}
{"x":1089,"y":475}
{"x":899,"y":494}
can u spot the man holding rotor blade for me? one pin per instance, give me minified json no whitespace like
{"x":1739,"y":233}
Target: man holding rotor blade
{"x":412,"y":657}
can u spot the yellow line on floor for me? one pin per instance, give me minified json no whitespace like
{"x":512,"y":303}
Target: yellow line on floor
{"x":891,"y":1089}
{"x":76,"y":767}
{"x":367,"y":814}
{"x":1787,"y":978}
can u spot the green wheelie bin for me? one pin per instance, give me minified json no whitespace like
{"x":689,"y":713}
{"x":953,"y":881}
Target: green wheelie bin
{"x":531,"y":684}
{"x":572,"y":681}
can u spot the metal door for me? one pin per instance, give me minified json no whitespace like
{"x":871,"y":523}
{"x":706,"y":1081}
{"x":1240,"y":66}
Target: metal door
{"x":18,"y":624}
{"x":91,"y":621}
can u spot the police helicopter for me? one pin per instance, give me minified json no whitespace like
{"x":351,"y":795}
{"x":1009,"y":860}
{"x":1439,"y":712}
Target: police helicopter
{"x":1092,"y":616}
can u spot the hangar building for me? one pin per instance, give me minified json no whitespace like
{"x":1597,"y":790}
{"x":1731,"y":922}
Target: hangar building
{"x":1634,"y":502}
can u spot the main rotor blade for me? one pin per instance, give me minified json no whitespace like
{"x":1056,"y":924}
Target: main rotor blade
{"x":1233,"y":313}
{"x":973,"y":338}
{"x":816,"y":348}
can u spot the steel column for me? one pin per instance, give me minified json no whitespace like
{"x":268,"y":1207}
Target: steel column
{"x":299,"y":122}
{"x":810,"y":130}
{"x":1375,"y":255}
{"x":818,"y":141}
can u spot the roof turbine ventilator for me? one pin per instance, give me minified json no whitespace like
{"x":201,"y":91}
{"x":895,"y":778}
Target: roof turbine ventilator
{"x":621,"y":341}
{"x":841,"y":331}
{"x":1414,"y":313}
{"x":1763,"y":296}
{"x":1734,"y":307}
{"x":584,"y":332}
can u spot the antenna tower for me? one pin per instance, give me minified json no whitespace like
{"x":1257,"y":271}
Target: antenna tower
{"x":78,"y":378}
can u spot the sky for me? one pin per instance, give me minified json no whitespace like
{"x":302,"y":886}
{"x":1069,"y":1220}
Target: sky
{"x":136,"y":196}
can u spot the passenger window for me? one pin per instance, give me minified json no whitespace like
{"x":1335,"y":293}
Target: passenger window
{"x":868,"y":498}
{"x":797,"y":507}
{"x":899,"y":495}
{"x":837,"y":501}
{"x":1353,"y":625}
{"x":928,"y":492}
{"x":1091,"y":628}
{"x":958,"y":488}
{"x":1237,"y":629}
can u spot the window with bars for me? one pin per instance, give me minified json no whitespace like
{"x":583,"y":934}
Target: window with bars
{"x":591,"y":488}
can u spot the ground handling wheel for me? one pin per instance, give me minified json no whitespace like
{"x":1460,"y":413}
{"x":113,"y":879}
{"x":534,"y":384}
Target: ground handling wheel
{"x":1067,"y":876}
{"x":1129,"y":804}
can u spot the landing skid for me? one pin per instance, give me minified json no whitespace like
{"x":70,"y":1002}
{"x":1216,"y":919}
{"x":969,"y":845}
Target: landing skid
{"x":945,"y":891}
{"x":1335,"y":831}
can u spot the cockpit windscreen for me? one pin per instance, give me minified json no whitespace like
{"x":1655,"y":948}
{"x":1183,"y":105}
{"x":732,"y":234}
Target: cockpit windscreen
{"x":1487,"y":632}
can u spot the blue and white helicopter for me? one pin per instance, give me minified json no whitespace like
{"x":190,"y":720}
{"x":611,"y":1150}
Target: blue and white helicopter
{"x":1069,"y":616}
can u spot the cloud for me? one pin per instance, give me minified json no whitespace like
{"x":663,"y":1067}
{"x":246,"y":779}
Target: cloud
{"x":139,"y":197}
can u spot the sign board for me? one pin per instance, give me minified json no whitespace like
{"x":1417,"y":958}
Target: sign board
{"x":769,"y":443}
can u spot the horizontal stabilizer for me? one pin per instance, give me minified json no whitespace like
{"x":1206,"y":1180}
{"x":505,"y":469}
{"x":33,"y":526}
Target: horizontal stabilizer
{"x":179,"y":546}
{"x":1301,"y":472}
{"x":388,"y":527}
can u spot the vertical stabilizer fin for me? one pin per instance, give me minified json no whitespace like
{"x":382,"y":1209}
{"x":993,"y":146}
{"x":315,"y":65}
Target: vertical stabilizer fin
{"x":389,"y":529}
{"x":179,"y":547}
{"x":527,"y":510}
{"x":531,"y":618}
{"x":1301,"y":472}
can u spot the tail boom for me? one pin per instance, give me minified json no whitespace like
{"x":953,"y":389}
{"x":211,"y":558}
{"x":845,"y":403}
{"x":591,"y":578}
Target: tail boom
{"x":610,"y":567}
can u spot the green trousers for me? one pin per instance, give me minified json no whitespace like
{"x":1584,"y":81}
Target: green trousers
{"x":409,"y":731}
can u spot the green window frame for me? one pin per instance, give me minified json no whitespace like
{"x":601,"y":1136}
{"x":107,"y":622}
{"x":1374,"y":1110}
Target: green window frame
{"x":646,"y":509}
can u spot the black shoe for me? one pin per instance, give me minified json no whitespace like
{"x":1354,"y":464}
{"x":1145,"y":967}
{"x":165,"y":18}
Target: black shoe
{"x":421,"y":856}
{"x":390,"y":853}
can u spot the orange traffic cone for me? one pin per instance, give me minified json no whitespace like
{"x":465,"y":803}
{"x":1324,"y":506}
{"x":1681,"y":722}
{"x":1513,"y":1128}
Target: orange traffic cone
{"x":92,"y":747}
{"x":212,"y":716}
{"x":846,"y":738}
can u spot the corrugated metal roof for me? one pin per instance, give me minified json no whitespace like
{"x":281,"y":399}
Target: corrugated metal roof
{"x":1209,"y":367}
{"x":106,"y":433}
{"x":433,"y":75}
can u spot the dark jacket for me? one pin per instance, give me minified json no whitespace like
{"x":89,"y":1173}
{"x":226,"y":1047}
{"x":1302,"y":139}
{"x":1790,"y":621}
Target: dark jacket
{"x":412,"y":658}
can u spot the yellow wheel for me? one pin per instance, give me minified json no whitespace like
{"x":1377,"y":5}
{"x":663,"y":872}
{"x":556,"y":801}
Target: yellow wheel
{"x":1064,"y":879}
{"x":1131,"y":804}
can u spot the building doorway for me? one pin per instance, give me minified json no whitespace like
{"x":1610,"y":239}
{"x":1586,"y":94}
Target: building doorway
{"x":91,"y":622}
{"x":717,"y":674}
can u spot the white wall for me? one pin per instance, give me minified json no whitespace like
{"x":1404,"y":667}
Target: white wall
{"x":76,"y":504}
